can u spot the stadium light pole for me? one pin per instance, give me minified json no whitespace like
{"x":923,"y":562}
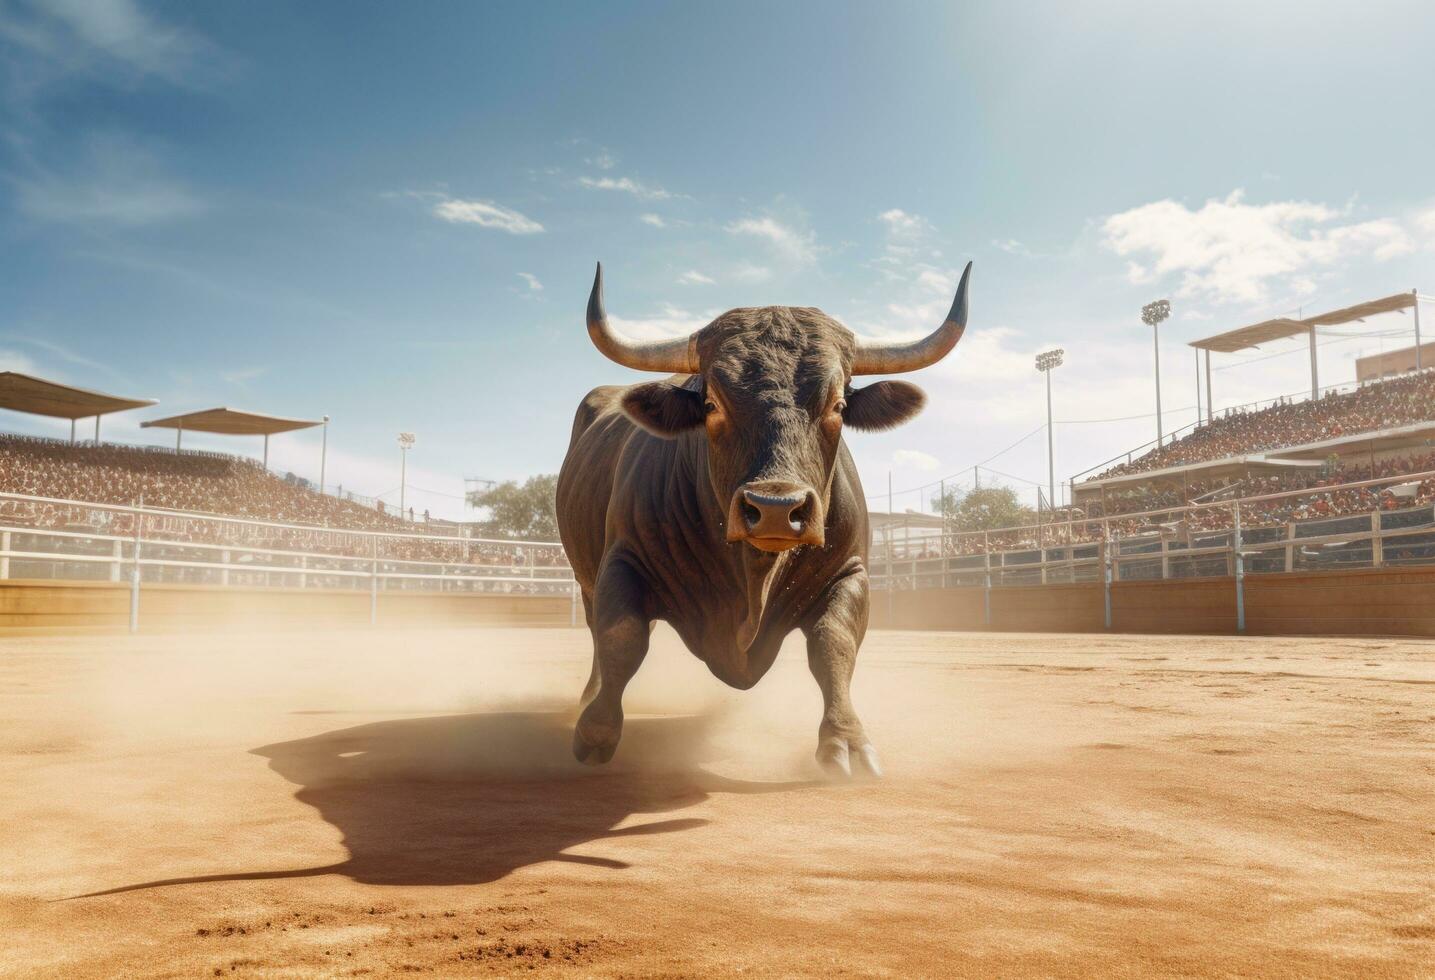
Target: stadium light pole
{"x":1046,"y":362}
{"x":1152,"y":314}
{"x":323,"y":454}
{"x":406,"y":442}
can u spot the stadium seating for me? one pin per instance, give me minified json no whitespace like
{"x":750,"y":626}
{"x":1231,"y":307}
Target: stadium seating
{"x":1383,"y":405}
{"x":215,"y":484}
{"x":200,"y":482}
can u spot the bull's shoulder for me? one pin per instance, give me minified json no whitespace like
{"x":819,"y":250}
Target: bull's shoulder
{"x":604,"y":398}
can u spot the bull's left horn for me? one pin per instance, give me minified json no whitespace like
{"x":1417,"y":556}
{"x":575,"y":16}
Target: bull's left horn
{"x":676,"y":356}
{"x":883,"y":358}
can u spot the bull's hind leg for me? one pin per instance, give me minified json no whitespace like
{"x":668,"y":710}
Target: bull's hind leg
{"x":620,"y":642}
{"x":590,"y":690}
{"x":833,"y":637}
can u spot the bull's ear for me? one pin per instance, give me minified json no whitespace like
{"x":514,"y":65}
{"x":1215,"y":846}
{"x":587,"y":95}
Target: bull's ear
{"x":663,"y":409}
{"x":883,"y":405}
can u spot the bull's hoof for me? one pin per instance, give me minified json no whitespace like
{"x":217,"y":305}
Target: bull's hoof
{"x":595,"y":737}
{"x":592,"y":755}
{"x":836,"y":757}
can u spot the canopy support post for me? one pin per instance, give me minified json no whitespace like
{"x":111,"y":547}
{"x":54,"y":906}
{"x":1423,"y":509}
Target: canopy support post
{"x":266,"y":450}
{"x":1198,"y":385}
{"x":1314,"y":369}
{"x":1415,"y":308}
{"x":97,"y":430}
{"x":72,"y":432}
{"x":1210,"y":405}
{"x":178,"y":435}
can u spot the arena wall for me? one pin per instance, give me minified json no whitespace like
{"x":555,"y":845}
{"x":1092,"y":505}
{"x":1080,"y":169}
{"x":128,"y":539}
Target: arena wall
{"x":1363,"y":602}
{"x":103,"y":606}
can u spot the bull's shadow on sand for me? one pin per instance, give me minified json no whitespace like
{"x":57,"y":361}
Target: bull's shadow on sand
{"x":466,"y":799}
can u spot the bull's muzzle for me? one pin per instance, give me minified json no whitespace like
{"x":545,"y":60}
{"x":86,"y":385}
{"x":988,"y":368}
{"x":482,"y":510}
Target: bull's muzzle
{"x":774,"y":516}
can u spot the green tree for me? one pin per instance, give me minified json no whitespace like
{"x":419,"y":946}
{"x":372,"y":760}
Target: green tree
{"x":983,"y":509}
{"x":520,"y":510}
{"x":947,"y":502}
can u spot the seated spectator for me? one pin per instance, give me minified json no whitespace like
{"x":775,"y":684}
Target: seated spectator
{"x":1381,"y":405}
{"x":202,"y":483}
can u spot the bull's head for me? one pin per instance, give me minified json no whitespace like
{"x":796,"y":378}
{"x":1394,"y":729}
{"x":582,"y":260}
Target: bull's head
{"x":772,"y":387}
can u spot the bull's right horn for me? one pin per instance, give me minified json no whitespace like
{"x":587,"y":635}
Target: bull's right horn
{"x":873,"y":357}
{"x":676,"y":356}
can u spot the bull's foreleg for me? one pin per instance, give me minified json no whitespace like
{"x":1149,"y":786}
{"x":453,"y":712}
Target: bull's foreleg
{"x":620,"y":642}
{"x":833,"y":637}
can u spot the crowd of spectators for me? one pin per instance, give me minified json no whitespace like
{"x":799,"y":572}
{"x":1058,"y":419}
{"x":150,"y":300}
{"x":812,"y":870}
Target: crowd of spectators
{"x":1378,"y":405}
{"x":192,"y":486}
{"x":1328,"y":495}
{"x":337,"y":534}
{"x":198,"y":482}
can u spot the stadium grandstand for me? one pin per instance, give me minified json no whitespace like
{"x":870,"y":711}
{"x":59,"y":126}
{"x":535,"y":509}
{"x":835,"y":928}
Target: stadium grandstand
{"x":1383,"y":427}
{"x":79,"y":510}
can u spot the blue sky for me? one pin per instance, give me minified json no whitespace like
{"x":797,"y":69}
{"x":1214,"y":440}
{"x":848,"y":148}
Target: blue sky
{"x":389,"y":213}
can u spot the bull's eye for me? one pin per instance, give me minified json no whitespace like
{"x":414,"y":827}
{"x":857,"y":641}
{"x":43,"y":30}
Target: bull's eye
{"x":710,"y":407}
{"x":840,"y":406}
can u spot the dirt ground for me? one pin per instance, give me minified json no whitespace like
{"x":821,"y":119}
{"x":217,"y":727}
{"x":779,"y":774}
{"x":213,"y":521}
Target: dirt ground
{"x":383,"y":803}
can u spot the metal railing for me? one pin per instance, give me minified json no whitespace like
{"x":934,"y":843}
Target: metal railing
{"x":50,"y":538}
{"x":1381,"y":522}
{"x":1348,"y":525}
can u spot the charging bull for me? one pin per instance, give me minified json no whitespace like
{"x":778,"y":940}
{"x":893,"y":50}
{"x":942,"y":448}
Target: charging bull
{"x":723,"y":501}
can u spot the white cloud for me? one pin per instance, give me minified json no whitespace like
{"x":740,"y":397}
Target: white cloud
{"x":695,"y":278}
{"x":603,"y":161}
{"x":628,"y":186}
{"x":533,"y":284}
{"x":937,"y":281}
{"x":1011,"y":246}
{"x":798,"y":246}
{"x":92,"y":36}
{"x":915,"y":459}
{"x":62,"y":352}
{"x":655,"y":220}
{"x":486,"y":214}
{"x":112,"y":180}
{"x":1231,"y":251}
{"x":902,"y":223}
{"x":671,"y":322}
{"x":11,"y":360}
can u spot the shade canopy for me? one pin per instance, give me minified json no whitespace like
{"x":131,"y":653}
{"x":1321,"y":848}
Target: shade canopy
{"x":1268,"y":330}
{"x":230,"y":422}
{"x":36,"y":396}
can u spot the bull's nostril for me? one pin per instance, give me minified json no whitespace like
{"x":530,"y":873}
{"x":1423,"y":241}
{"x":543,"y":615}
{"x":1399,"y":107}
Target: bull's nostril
{"x":751,"y":515}
{"x":800,"y":515}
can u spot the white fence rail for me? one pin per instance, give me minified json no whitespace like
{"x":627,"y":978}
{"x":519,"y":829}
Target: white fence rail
{"x":1365,"y":524}
{"x":48,"y":538}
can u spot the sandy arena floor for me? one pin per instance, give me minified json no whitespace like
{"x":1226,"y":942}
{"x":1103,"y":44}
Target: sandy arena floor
{"x":372,"y":804}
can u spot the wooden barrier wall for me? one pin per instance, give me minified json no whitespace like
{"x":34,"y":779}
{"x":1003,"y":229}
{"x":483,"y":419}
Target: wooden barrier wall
{"x":1360,"y":602}
{"x":1376,"y":601}
{"x":1365,"y":602}
{"x":52,"y":605}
